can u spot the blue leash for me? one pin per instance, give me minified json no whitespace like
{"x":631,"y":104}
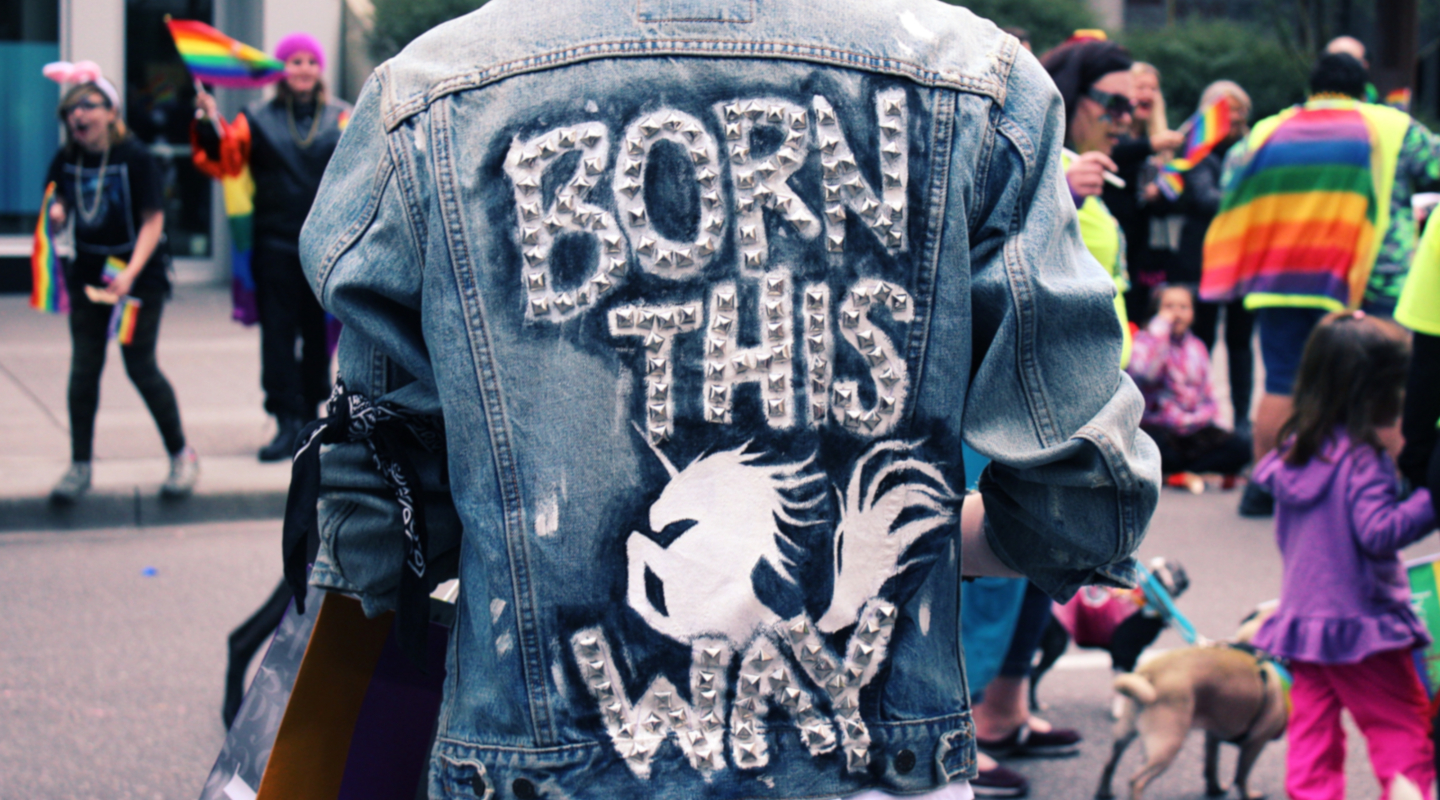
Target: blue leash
{"x":1157,"y":594}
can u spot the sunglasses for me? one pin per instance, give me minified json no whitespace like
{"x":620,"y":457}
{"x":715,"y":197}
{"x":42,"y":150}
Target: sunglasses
{"x":87,"y":105}
{"x":1115,"y":105}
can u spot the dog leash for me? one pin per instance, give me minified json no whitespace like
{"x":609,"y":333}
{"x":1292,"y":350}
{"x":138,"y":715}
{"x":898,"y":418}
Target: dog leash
{"x":1156,"y":593}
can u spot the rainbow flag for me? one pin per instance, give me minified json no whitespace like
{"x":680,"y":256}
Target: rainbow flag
{"x":1208,"y":127}
{"x":1399,"y":98}
{"x":1298,"y":220}
{"x":112,"y":270}
{"x":216,"y":59}
{"x":123,"y":319}
{"x":1425,"y":600}
{"x":47,"y":278}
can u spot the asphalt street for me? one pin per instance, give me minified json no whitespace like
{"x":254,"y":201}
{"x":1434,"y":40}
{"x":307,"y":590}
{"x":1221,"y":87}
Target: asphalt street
{"x":112,"y":653}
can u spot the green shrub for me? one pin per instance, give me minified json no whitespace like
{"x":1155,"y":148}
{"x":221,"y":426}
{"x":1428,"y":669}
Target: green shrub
{"x":1193,"y":53}
{"x":399,"y":22}
{"x":1049,"y":22}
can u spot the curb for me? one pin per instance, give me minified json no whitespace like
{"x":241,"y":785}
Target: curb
{"x":138,"y":508}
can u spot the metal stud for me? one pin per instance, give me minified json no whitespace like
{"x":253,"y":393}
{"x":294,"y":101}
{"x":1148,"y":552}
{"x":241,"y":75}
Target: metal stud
{"x":539,"y":307}
{"x":849,"y":318}
{"x":775,"y":406}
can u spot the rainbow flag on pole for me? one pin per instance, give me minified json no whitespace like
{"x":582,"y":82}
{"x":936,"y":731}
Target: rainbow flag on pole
{"x":47,"y":279}
{"x":216,"y":59}
{"x":123,"y":319}
{"x":1208,"y":127}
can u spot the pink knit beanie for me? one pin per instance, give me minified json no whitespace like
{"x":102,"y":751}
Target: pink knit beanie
{"x":300,"y":42}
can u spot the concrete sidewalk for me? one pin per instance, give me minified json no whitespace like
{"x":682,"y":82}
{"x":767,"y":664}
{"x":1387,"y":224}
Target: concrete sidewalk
{"x":214,"y":365}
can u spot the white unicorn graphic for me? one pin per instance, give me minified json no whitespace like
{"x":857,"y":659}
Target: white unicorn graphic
{"x":724,"y":512}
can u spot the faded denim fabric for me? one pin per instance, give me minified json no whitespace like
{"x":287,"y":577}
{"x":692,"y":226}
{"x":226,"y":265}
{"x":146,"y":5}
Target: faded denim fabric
{"x":709,"y":294}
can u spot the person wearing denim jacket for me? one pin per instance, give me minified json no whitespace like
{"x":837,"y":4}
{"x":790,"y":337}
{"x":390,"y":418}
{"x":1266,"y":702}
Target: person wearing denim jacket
{"x":708,"y":294}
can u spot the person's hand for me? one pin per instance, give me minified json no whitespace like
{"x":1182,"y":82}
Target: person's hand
{"x":1086,"y":175}
{"x":57,"y":213}
{"x":206,"y":103}
{"x":1167,"y":140}
{"x":122,"y":284}
{"x":1391,"y":438}
{"x":1151,"y":192}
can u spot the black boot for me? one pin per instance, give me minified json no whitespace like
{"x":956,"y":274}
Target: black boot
{"x":283,"y":445}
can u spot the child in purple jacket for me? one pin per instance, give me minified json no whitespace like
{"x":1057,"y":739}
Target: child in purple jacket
{"x":1344,"y":619}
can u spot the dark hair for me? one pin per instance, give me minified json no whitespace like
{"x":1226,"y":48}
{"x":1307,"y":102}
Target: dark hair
{"x":74,"y":95}
{"x":1339,"y":73}
{"x":1076,"y":66}
{"x":1353,"y":374}
{"x":1159,"y":291}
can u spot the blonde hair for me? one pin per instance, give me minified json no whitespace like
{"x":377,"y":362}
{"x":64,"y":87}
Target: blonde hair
{"x":1158,"y":124}
{"x":1229,"y":89}
{"x":74,"y":95}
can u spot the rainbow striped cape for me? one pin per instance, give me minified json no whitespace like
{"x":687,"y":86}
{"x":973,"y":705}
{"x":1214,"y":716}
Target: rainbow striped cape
{"x":1208,"y":128}
{"x":1303,"y":213}
{"x":47,"y":278}
{"x":232,"y":169}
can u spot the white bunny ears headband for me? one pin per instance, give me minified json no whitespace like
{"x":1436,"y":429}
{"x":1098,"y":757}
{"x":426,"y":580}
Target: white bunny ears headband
{"x":63,"y":72}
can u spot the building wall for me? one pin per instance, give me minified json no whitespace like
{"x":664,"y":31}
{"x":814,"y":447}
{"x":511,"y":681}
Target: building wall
{"x":319,"y":18}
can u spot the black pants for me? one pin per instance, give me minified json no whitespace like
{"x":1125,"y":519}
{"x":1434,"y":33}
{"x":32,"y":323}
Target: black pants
{"x":1422,"y":408}
{"x":89,"y":335}
{"x":1209,"y":449}
{"x":294,"y":387}
{"x":1239,"y":329}
{"x":1029,"y":629}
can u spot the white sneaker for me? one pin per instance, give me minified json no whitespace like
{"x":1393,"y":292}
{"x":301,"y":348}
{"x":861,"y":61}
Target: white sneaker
{"x":184,"y":471}
{"x":72,"y":484}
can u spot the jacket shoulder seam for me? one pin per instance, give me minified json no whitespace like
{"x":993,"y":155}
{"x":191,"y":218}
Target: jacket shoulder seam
{"x":399,"y":109}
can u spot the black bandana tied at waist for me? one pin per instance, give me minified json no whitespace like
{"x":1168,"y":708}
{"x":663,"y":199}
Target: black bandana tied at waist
{"x":384,"y":427}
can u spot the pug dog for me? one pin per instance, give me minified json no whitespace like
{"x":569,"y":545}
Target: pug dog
{"x":1232,"y":692}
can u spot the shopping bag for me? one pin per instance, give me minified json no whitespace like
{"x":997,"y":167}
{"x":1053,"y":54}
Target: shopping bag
{"x":336,"y":711}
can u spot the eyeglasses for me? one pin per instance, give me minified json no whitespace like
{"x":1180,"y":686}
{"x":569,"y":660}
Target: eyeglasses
{"x":1115,"y":105}
{"x":87,"y":105}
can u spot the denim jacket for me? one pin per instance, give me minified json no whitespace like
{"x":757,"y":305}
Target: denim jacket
{"x":708,"y":293}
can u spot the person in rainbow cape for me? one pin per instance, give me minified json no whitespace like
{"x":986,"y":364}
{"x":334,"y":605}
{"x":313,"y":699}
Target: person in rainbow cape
{"x":269,"y":160}
{"x":1305,"y":210}
{"x":1417,"y":170}
{"x":108,"y":186}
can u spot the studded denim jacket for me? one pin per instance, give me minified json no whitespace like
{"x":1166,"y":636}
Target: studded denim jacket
{"x":709,"y":293}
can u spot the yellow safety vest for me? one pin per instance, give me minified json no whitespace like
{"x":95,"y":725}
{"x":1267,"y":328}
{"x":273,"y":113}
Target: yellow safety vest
{"x":1101,"y":233}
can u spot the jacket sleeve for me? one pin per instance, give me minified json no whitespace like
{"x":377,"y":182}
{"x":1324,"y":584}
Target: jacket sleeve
{"x":1382,"y":522}
{"x":1202,"y":189}
{"x":222,"y":149}
{"x":1072,"y":481}
{"x":365,"y":260}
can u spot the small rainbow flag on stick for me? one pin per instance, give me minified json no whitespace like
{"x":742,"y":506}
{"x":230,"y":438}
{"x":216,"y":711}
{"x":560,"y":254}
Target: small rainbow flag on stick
{"x":216,"y":59}
{"x":123,"y":319}
{"x":1208,"y":127}
{"x":47,"y":280}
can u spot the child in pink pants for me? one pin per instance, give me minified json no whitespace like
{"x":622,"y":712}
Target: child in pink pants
{"x":1344,"y":619}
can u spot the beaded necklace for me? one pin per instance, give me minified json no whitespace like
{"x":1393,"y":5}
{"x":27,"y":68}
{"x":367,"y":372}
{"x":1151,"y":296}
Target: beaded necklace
{"x":88,"y":214}
{"x":314,"y":125}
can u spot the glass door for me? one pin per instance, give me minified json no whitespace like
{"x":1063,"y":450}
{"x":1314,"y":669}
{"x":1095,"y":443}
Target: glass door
{"x":160,"y":103}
